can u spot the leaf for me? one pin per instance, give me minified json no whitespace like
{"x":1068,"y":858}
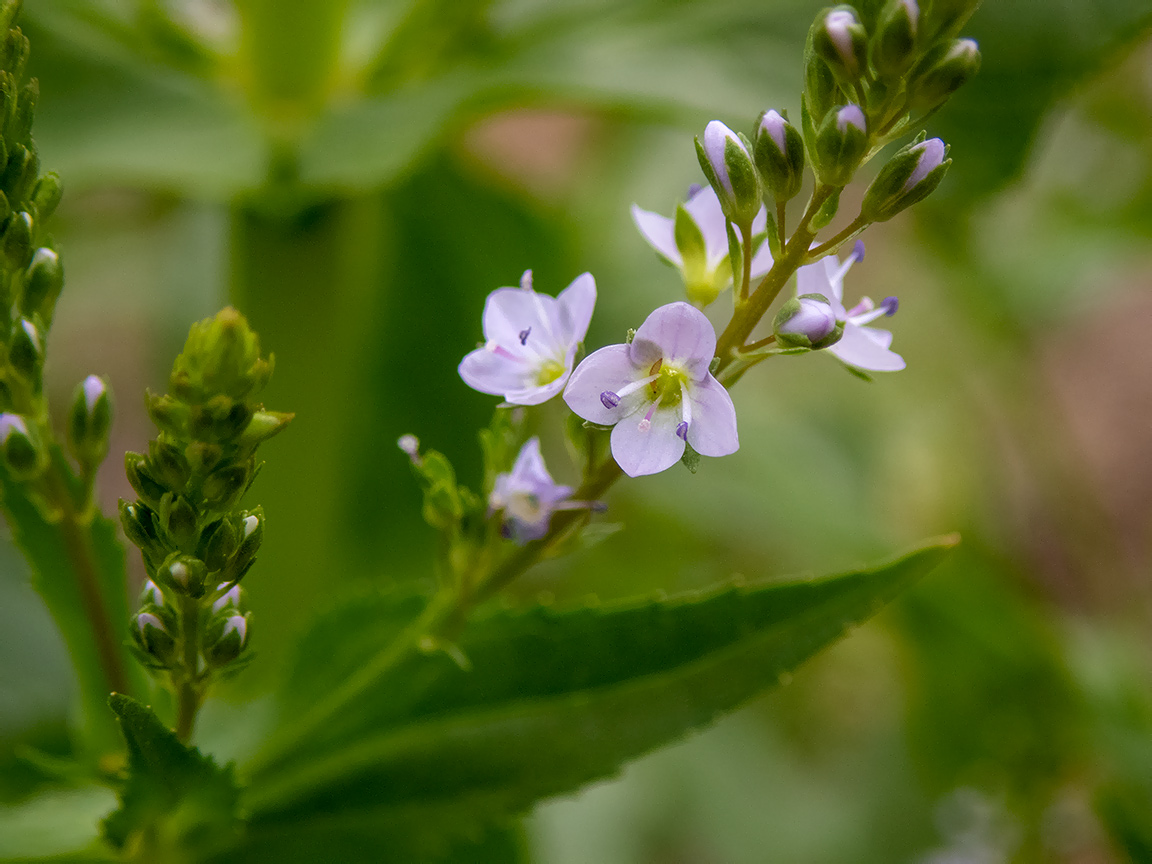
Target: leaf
{"x":59,"y":825}
{"x":553,"y":699}
{"x":52,"y":550}
{"x":177,"y":798}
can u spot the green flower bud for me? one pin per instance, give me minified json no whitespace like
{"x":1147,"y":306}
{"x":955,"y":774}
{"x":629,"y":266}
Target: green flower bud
{"x":839,"y":39}
{"x":170,"y":415}
{"x":727,"y":163}
{"x":942,"y":72}
{"x":154,"y":638}
{"x":22,"y":456}
{"x":47,"y":194}
{"x":42,"y":284}
{"x":178,"y":518}
{"x":224,"y":486}
{"x":821,"y":92}
{"x":167,"y":463}
{"x":183,"y":574}
{"x":221,"y":357}
{"x":232,"y":597}
{"x":911,"y":175}
{"x":226,"y":637}
{"x":152,"y":595}
{"x":147,"y":487}
{"x":841,"y":142}
{"x":807,"y":321}
{"x":218,"y":542}
{"x":89,"y":422}
{"x":23,"y":166}
{"x":139,"y":523}
{"x":26,"y":350}
{"x":262,"y":426}
{"x":894,"y":45}
{"x":16,"y":245}
{"x":251,"y":536}
{"x":779,"y":152}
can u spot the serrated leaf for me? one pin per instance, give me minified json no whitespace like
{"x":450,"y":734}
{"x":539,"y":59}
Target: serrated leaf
{"x":174,"y":795}
{"x":52,"y":550}
{"x":553,"y":699}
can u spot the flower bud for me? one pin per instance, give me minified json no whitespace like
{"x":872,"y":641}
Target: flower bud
{"x":141,"y":479}
{"x":89,"y":422}
{"x":942,"y":72}
{"x":154,"y":638}
{"x":894,"y":45}
{"x":16,"y":244}
{"x":226,"y":637}
{"x":233,"y":597}
{"x":18,"y":447}
{"x":47,"y":194}
{"x":251,"y":536}
{"x":841,"y":143}
{"x":840,"y":40}
{"x":169,"y":414}
{"x":727,"y":164}
{"x":139,"y":524}
{"x":177,"y":517}
{"x":821,"y":92}
{"x":168,"y":464}
{"x":911,"y":175}
{"x":262,"y":426}
{"x":42,"y":284}
{"x":224,"y":486}
{"x":807,"y":321}
{"x":183,"y":574}
{"x":217,"y":544}
{"x":151,"y":595}
{"x":26,"y":349}
{"x":779,"y":152}
{"x":23,"y":163}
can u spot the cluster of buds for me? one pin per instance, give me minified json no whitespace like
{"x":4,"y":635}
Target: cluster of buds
{"x":195,"y":541}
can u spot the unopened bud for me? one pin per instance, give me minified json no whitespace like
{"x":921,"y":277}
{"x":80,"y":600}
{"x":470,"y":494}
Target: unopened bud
{"x":139,"y":524}
{"x":807,"y":321}
{"x":141,"y":479}
{"x":251,"y":536}
{"x":224,"y":486}
{"x":410,"y":445}
{"x":89,"y":422}
{"x":217,"y":544}
{"x":911,"y":175}
{"x":16,"y":244}
{"x":226,"y":637}
{"x":21,"y":456}
{"x":168,"y":464}
{"x":153,"y":638}
{"x":262,"y":426}
{"x":178,"y":518}
{"x":894,"y":46}
{"x":151,"y":595}
{"x":728,"y":165}
{"x":942,"y":72}
{"x":841,"y":143}
{"x":779,"y":151}
{"x":183,"y":574}
{"x":47,"y":194}
{"x":42,"y":284}
{"x":26,"y":349}
{"x":233,"y":597}
{"x":841,"y":41}
{"x":169,"y":414}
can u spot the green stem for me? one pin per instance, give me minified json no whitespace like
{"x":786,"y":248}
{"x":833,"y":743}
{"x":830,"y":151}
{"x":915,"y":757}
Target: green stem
{"x":188,"y":692}
{"x":858,"y":225}
{"x":746,"y":281}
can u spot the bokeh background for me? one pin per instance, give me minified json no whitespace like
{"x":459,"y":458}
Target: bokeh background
{"x":357,"y":175}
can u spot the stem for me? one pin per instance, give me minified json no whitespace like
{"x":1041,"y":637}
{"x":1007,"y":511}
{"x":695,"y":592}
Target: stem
{"x":858,"y":225}
{"x":781,"y":216}
{"x":746,"y":282}
{"x":187,"y":690}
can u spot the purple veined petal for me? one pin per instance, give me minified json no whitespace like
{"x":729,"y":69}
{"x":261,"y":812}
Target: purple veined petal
{"x":574,"y":306}
{"x":857,"y":348}
{"x":608,"y":370}
{"x":712,"y":431}
{"x":704,"y":208}
{"x":883,"y":338}
{"x":488,"y":372}
{"x":535,"y":395}
{"x":660,"y":232}
{"x":762,"y":260}
{"x":529,"y":469}
{"x":640,"y":448}
{"x":508,"y":312}
{"x":678,"y":333}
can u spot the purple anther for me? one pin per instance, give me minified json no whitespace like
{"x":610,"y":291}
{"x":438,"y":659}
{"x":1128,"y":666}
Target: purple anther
{"x":692,"y":190}
{"x":609,"y":399}
{"x":682,"y":431}
{"x":858,"y":251}
{"x":890,"y":305}
{"x":523,"y":335}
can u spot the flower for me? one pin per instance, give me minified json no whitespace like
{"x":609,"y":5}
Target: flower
{"x":528,"y":496}
{"x":707,"y":274}
{"x":658,"y":393}
{"x":530,"y":341}
{"x":861,"y":346}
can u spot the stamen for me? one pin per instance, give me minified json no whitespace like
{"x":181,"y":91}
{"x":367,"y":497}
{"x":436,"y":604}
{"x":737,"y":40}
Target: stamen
{"x":524,"y":335}
{"x":526,"y":281}
{"x":501,"y":351}
{"x":858,"y":251}
{"x":609,"y":399}
{"x":861,"y":308}
{"x":890,"y":305}
{"x":692,"y":190}
{"x":682,"y":431}
{"x":636,"y":385}
{"x":685,"y":412}
{"x":646,"y":423}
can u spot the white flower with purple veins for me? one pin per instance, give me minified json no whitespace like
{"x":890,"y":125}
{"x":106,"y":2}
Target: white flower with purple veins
{"x":705,"y":275}
{"x":861,"y":346}
{"x":658,"y":393}
{"x":530,"y":341}
{"x":528,"y":496}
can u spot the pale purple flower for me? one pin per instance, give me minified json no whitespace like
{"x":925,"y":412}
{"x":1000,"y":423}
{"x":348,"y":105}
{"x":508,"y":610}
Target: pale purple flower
{"x":237,"y":624}
{"x":658,"y":393}
{"x":704,"y":279}
{"x":861,"y":346}
{"x":528,"y":495}
{"x":813,"y":321}
{"x":931,"y":155}
{"x":530,"y":341}
{"x":773,"y":124}
{"x":840,"y":24}
{"x":851,"y":115}
{"x":716,"y":138}
{"x":94,"y":388}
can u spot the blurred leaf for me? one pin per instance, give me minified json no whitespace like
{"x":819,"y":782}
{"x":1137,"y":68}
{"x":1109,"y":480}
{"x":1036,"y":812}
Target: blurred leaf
{"x":553,"y":699}
{"x":1034,"y":51}
{"x":51,"y":550}
{"x":175,"y":797}
{"x":59,"y":826}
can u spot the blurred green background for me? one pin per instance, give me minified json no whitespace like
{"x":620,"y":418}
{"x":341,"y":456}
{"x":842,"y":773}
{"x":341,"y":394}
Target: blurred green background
{"x":357,"y":175}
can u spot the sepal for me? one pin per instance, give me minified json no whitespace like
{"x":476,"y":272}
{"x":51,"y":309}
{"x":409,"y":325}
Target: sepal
{"x":779,"y":153}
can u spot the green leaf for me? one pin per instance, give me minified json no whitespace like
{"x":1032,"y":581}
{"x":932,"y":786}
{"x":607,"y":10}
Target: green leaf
{"x":175,"y":797}
{"x":553,"y":699}
{"x":57,"y":551}
{"x":60,"y":825}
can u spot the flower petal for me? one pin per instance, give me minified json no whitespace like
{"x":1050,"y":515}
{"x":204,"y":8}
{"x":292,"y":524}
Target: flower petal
{"x":611,"y":368}
{"x":819,"y":278}
{"x":535,"y":394}
{"x":678,"y":333}
{"x":762,"y":260}
{"x":488,"y":372}
{"x":712,"y":431}
{"x":859,"y":348}
{"x":508,"y":312}
{"x":660,"y":233}
{"x":574,"y":305}
{"x":640,"y":450}
{"x":704,"y":207}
